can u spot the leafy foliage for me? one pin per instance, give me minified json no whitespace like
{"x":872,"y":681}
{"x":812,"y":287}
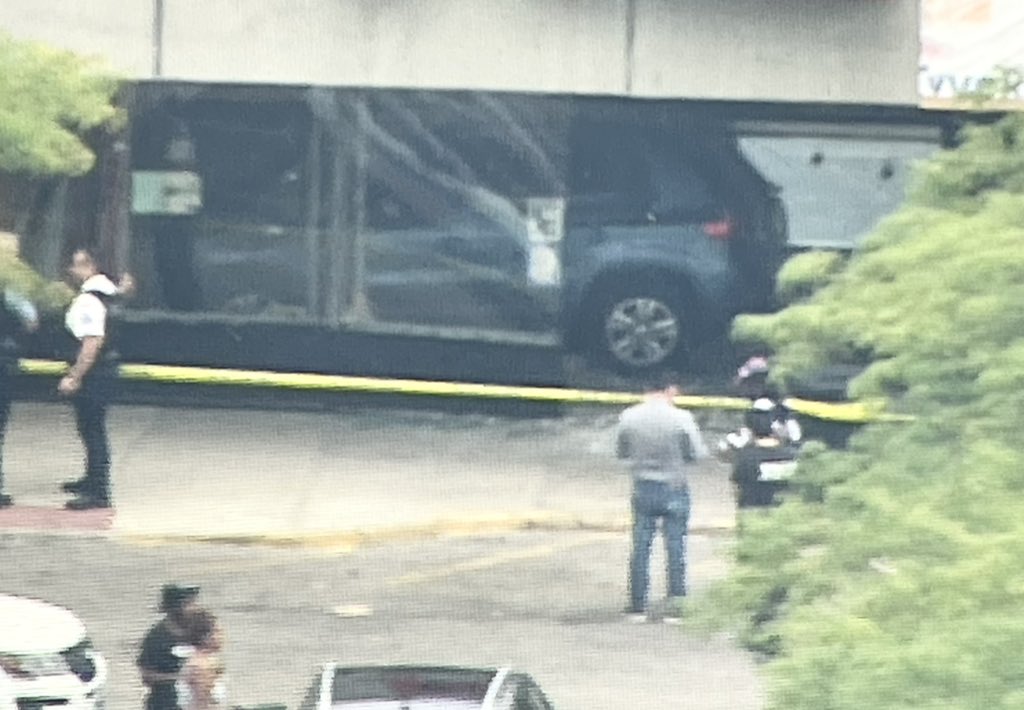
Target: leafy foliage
{"x":19,"y":277}
{"x":891,"y":576}
{"x":50,"y":98}
{"x":805,"y":273}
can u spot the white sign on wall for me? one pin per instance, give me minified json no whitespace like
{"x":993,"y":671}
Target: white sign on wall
{"x":170,"y":193}
{"x":545,"y":220}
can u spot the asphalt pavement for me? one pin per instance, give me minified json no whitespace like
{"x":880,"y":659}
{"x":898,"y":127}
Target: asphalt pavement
{"x":335,"y":479}
{"x":544,"y":602}
{"x":387,"y":537}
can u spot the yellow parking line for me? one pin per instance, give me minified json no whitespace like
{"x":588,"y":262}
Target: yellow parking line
{"x":496,"y":560}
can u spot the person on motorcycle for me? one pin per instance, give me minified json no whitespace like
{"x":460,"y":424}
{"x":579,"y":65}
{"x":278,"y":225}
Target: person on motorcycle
{"x":762,"y":456}
{"x":752,"y":380}
{"x":763,"y":449}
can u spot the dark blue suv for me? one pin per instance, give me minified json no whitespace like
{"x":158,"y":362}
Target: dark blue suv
{"x":667,"y":238}
{"x":411,"y":210}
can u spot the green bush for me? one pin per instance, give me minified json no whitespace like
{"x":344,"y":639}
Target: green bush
{"x":49,"y":99}
{"x":805,"y":273}
{"x":891,"y":576}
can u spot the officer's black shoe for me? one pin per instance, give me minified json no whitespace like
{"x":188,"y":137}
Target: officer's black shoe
{"x":79,"y":485}
{"x":6,"y":501}
{"x":88,"y":502}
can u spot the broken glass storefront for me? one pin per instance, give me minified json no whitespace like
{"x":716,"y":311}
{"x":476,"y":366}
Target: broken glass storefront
{"x":837,"y":181}
{"x":414,"y":208}
{"x":483,"y":215}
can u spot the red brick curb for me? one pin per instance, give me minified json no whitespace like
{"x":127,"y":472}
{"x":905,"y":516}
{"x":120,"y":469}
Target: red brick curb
{"x":21,"y":518}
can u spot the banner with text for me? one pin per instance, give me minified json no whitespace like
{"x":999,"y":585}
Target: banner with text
{"x":971,"y":46}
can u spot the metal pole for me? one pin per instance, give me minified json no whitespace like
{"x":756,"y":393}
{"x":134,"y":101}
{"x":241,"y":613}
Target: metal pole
{"x":338,"y":211}
{"x":158,"y":38}
{"x":630,"y":50}
{"x":360,"y":310}
{"x":312,"y":219}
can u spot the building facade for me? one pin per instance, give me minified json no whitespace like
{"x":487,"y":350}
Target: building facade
{"x":831,"y":51}
{"x":417,"y":169}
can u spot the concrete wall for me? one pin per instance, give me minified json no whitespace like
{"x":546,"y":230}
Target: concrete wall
{"x":522,"y":45}
{"x":121,"y":31}
{"x":846,"y":51}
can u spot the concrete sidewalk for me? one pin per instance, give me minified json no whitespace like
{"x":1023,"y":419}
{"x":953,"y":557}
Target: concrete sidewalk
{"x":334,"y":479}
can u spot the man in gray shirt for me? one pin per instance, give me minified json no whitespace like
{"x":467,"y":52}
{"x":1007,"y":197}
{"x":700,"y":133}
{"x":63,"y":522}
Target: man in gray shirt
{"x":660,"y":441}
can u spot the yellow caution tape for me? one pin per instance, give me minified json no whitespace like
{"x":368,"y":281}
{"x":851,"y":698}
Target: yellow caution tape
{"x":43,"y":367}
{"x":855,"y":412}
{"x":852,"y":412}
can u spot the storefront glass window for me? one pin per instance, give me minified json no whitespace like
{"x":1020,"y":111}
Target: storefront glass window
{"x":456,"y":188}
{"x":232,"y":239}
{"x":836,"y":189}
{"x":505,"y":213}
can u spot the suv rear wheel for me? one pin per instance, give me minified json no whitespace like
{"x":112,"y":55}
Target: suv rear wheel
{"x":641,"y":328}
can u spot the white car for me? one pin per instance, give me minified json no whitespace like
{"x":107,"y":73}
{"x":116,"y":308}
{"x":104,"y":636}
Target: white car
{"x":337,"y":687}
{"x":46,"y":659}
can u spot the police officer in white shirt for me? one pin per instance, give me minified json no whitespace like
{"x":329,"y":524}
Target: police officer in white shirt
{"x":92,"y":375}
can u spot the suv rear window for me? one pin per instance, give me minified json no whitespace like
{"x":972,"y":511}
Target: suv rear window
{"x":681,"y":193}
{"x":621,"y":174}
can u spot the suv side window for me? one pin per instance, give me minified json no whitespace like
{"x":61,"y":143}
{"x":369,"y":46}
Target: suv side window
{"x":680,"y":192}
{"x":609,"y":175}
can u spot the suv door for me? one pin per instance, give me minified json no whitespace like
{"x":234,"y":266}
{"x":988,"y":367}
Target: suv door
{"x":646,"y":269}
{"x":448,"y":177}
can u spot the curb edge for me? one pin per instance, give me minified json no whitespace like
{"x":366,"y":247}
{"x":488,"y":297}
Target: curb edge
{"x":350,"y":540}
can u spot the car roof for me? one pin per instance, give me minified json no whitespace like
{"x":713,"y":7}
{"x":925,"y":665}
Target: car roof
{"x":29,"y":626}
{"x":367,"y":685}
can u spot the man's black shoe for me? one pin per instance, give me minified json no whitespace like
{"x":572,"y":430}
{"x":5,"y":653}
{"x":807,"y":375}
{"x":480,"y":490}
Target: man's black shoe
{"x":87,"y":502}
{"x":6,"y":501}
{"x":79,"y":485}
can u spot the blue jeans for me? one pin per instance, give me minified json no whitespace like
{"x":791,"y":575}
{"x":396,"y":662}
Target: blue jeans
{"x":652,"y":501}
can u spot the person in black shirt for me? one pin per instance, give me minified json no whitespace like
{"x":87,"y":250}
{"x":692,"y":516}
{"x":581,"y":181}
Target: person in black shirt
{"x":165,"y":647}
{"x":760,"y":443}
{"x":18,"y":316}
{"x":752,"y":381}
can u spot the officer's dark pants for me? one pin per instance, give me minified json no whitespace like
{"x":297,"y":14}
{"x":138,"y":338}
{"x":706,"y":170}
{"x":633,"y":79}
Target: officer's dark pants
{"x":6,"y":382}
{"x":91,"y":404}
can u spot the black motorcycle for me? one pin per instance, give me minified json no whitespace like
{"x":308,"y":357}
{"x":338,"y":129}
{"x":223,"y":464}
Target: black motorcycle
{"x":761,"y":468}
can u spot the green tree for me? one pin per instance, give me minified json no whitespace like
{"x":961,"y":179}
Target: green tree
{"x":892,"y":576}
{"x":49,"y":100}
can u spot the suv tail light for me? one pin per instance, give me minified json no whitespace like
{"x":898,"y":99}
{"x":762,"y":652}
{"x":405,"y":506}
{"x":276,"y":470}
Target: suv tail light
{"x":720,"y":229}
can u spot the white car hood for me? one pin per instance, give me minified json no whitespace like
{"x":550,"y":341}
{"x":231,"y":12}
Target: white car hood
{"x":30,"y":626}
